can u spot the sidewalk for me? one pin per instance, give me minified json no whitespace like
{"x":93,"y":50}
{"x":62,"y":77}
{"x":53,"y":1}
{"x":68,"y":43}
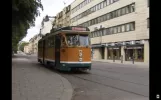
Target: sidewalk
{"x":124,"y":62}
{"x":31,"y":81}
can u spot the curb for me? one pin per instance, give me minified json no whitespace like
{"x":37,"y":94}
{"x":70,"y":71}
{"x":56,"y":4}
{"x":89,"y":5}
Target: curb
{"x":121,"y":63}
{"x":68,"y":89}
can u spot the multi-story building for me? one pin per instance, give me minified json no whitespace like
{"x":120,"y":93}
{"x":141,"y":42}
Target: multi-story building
{"x":66,"y":16}
{"x":119,"y":28}
{"x":33,"y":44}
{"x":46,"y":25}
{"x":62,"y":18}
{"x":26,"y":49}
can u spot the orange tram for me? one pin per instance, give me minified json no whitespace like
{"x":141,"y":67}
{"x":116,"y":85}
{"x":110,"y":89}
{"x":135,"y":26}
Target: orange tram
{"x":66,"y":48}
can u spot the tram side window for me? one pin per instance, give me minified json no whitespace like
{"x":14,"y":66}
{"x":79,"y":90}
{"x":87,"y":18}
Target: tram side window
{"x":52,"y":41}
{"x":40,"y":44}
{"x":63,"y":43}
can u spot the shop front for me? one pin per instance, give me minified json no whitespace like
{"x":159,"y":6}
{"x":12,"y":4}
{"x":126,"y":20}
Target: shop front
{"x":114,"y":53}
{"x":98,"y":51}
{"x":136,"y":52}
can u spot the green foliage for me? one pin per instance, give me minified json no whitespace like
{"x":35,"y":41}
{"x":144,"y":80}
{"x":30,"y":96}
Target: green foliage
{"x":24,"y":13}
{"x":23,"y":45}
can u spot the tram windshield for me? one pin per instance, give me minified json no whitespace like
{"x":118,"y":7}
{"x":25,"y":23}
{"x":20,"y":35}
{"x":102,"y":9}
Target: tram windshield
{"x":77,"y":40}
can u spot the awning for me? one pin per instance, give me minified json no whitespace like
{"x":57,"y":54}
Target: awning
{"x":134,"y":48}
{"x":97,"y":45}
{"x":113,"y":48}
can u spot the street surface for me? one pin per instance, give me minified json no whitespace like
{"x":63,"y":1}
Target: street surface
{"x":31,"y":81}
{"x":106,"y":81}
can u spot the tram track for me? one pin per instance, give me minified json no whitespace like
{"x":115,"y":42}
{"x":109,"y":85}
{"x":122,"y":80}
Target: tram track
{"x":119,"y":79}
{"x":108,"y":85}
{"x":116,"y":72}
{"x":76,"y":75}
{"x":64,"y":74}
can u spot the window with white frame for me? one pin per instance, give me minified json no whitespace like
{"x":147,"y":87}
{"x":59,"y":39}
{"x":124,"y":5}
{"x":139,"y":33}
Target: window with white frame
{"x":123,"y":11}
{"x":104,"y":32}
{"x":101,"y":5}
{"x":127,"y":9}
{"x":118,"y":29}
{"x":115,"y":30}
{"x":132,"y":7}
{"x":123,"y":28}
{"x":127,"y":27}
{"x":107,"y":2}
{"x":104,"y":3}
{"x":111,"y":30}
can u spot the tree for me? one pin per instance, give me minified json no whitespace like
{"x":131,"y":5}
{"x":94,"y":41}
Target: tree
{"x":24,"y":13}
{"x":23,"y":44}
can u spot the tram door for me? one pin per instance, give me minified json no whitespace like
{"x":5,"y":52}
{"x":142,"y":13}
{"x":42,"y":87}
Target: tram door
{"x":43,"y":52}
{"x":57,"y":50}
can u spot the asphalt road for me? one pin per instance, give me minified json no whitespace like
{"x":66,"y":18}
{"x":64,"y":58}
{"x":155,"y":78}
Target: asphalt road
{"x":107,"y":81}
{"x":31,"y":81}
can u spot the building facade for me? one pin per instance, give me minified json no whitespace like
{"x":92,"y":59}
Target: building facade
{"x":26,"y":49}
{"x":62,"y":18}
{"x":33,"y":44}
{"x":46,"y":25}
{"x":119,"y":28}
{"x":66,"y":16}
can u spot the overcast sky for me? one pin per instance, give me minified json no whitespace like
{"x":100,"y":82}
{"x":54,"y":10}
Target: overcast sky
{"x":51,"y":8}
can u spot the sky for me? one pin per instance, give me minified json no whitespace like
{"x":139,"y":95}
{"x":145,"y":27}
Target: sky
{"x":51,"y":8}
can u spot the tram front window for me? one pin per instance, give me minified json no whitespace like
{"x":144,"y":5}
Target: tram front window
{"x":77,"y":40}
{"x":84,"y":40}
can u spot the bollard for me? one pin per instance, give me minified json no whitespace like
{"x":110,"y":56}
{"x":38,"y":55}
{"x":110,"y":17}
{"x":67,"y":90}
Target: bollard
{"x":121,"y":58}
{"x":133,"y":59}
{"x":113,"y":58}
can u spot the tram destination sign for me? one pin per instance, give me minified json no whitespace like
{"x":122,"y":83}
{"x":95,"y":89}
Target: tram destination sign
{"x":79,"y":29}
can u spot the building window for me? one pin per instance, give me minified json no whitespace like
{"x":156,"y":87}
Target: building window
{"x":123,"y":11}
{"x":107,"y":2}
{"x":118,"y":29}
{"x":94,"y":8}
{"x":108,"y":16}
{"x":104,"y":18}
{"x":98,"y":34}
{"x":115,"y":30}
{"x":104,"y":3}
{"x":101,"y":5}
{"x":132,"y":26}
{"x":104,"y":32}
{"x":118,"y":12}
{"x":85,"y":2}
{"x":114,"y":14}
{"x":127,"y":9}
{"x":111,"y":30}
{"x":98,"y":6}
{"x":107,"y":31}
{"x":132,"y":7}
{"x":123,"y":28}
{"x":127,"y":27}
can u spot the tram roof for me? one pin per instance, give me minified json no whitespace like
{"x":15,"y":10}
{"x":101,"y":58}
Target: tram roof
{"x":68,"y":29}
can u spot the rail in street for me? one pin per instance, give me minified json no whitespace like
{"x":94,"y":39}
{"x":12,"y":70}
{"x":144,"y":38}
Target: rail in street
{"x":106,"y":81}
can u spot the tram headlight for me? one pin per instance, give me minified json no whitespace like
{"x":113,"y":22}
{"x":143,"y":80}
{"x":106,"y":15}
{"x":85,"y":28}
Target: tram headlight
{"x":80,"y":54}
{"x":80,"y":59}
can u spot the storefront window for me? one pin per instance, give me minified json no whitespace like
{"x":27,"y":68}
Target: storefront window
{"x":136,"y":52}
{"x":114,"y":53}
